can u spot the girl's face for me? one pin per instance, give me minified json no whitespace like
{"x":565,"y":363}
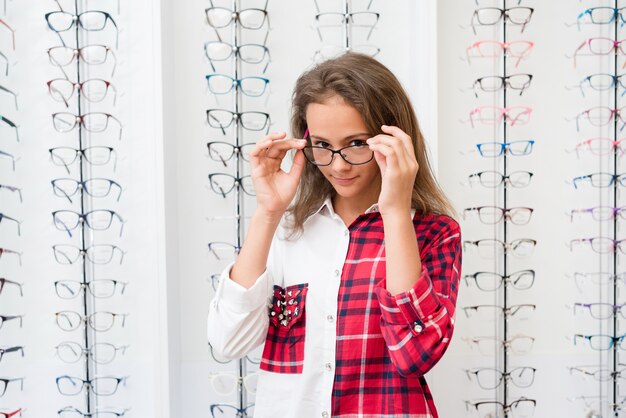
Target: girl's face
{"x":336,"y":124}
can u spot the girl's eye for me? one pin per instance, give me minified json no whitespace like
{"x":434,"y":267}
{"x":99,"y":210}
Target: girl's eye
{"x":321,"y":144}
{"x":358,"y":143}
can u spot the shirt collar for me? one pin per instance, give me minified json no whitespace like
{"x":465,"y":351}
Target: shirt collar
{"x":327,"y":208}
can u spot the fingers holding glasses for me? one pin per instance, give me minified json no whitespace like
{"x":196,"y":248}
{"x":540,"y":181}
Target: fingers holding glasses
{"x":274,"y":187}
{"x":397,"y":148}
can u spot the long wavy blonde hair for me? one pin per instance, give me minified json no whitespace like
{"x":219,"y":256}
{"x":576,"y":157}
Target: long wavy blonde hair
{"x":376,"y":93}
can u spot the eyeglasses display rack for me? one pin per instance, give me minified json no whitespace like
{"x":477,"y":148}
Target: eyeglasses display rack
{"x":244,"y":56}
{"x":608,"y":341}
{"x":13,"y":352}
{"x":92,"y":257}
{"x":503,"y":376}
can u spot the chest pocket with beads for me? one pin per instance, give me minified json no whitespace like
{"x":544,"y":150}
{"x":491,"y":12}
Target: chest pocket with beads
{"x":284,"y":346}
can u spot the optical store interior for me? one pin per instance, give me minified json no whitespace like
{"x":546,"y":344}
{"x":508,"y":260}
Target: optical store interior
{"x":126,"y":190}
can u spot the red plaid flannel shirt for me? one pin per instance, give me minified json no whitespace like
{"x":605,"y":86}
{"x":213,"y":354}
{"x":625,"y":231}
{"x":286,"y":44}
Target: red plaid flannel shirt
{"x":363,"y":354}
{"x":385,"y":343}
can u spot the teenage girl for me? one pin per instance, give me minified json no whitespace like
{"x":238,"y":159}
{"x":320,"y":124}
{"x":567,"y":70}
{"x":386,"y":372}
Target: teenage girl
{"x":350,"y":268}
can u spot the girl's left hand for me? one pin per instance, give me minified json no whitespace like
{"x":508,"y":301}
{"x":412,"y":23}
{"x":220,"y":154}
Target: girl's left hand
{"x":395,"y":156}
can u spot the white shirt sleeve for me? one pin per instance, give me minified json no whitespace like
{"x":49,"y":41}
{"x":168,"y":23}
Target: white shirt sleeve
{"x":238,"y":317}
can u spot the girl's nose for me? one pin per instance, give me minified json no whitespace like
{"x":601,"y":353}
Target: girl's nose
{"x":339,"y":164}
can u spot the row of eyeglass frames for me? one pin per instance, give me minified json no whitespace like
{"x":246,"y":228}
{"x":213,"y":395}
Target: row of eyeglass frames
{"x":10,"y":227}
{"x":601,"y":305}
{"x":500,"y":375}
{"x":238,"y":58}
{"x":246,"y":22}
{"x":85,"y":39}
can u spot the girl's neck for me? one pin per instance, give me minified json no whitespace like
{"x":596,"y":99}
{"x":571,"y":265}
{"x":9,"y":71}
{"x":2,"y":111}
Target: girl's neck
{"x":349,"y":209}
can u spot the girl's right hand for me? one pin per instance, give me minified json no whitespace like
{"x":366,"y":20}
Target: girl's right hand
{"x":274,"y":187}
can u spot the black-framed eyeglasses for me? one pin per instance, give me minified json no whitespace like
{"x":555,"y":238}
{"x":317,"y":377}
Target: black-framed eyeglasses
{"x":95,"y":155}
{"x":224,"y":410}
{"x":18,"y":223}
{"x":95,"y":187}
{"x":71,"y":412}
{"x":222,"y":184}
{"x":15,"y":349}
{"x":352,"y":154}
{"x":4,"y":282}
{"x":248,"y":53}
{"x":97,"y":220}
{"x":490,"y":84}
{"x":320,"y":155}
{"x":522,"y":407}
{"x":6,"y":318}
{"x":251,"y":18}
{"x":101,"y":386}
{"x":224,"y":84}
{"x":221,"y":250}
{"x":252,"y":121}
{"x":93,"y":90}
{"x":488,"y":281}
{"x":97,"y":253}
{"x":99,"y":288}
{"x":4,"y":383}
{"x":12,"y":189}
{"x":489,"y":378}
{"x":10,"y":156}
{"x":488,"y":16}
{"x":11,"y":124}
{"x":94,"y":122}
{"x":92,"y":20}
{"x":223,"y":151}
{"x":8,"y":251}
{"x":516,"y":179}
{"x":100,"y":321}
{"x":12,"y":93}
{"x":62,"y":56}
{"x":99,"y":353}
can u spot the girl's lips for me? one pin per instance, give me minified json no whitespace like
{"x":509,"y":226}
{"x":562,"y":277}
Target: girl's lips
{"x":344,"y":181}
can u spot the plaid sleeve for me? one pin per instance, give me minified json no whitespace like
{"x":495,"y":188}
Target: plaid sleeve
{"x":417,"y":325}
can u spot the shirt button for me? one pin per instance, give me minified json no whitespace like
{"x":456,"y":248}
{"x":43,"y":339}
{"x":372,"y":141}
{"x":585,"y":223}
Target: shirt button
{"x":337,"y":273}
{"x":346,"y":232}
{"x":328,"y":367}
{"x":417,"y":327}
{"x":325,"y":414}
{"x":330,"y":318}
